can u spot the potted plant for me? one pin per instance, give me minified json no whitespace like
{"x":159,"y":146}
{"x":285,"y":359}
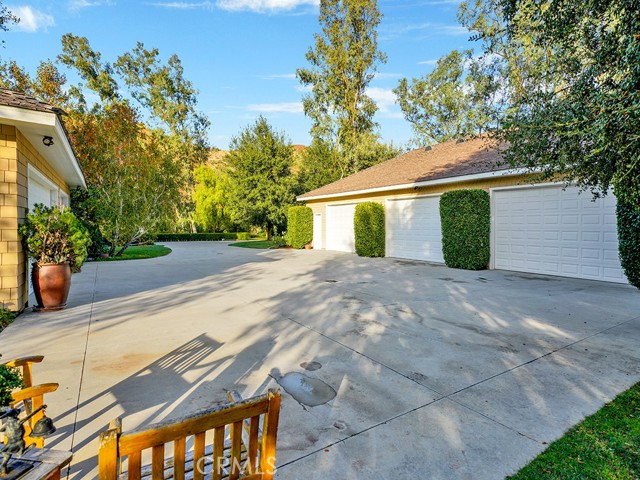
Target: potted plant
{"x":57,"y":242}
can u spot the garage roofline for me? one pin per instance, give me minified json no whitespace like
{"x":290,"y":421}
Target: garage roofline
{"x":416,"y":185}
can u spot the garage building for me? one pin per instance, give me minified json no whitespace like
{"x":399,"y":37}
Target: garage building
{"x":547,"y":228}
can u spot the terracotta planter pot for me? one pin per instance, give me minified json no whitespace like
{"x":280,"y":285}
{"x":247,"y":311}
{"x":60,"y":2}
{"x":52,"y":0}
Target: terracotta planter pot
{"x":308,"y":246}
{"x":51,"y":283}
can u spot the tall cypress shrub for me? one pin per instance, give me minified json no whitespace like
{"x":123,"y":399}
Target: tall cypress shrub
{"x":368,"y":225}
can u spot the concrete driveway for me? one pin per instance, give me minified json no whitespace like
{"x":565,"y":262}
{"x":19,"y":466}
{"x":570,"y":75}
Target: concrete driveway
{"x":437,"y":373}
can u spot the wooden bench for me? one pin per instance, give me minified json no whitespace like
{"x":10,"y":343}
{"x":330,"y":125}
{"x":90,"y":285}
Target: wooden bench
{"x":32,"y":396}
{"x":228,"y":441}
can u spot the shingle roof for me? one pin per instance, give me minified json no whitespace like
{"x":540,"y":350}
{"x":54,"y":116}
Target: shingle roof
{"x":10,"y":98}
{"x":445,"y":160}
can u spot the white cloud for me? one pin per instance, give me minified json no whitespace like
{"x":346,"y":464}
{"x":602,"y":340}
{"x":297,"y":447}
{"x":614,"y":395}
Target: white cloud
{"x":32,"y":20}
{"x":384,"y":97}
{"x":285,"y":107}
{"x":428,"y":62}
{"x":259,"y":6}
{"x":185,"y":5}
{"x":380,"y":75}
{"x":76,"y":5}
{"x":263,"y":6}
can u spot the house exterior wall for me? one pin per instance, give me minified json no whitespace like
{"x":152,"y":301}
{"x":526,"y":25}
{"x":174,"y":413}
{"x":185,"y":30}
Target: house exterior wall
{"x":16,"y":154}
{"x":319,"y":206}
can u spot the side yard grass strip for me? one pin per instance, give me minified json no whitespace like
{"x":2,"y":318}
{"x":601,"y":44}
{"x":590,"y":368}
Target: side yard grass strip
{"x":604,"y":446}
{"x":262,"y":244}
{"x":138,"y":252}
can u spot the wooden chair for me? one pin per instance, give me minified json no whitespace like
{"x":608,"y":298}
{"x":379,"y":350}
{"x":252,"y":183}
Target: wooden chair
{"x":32,"y":396}
{"x":229,"y":441}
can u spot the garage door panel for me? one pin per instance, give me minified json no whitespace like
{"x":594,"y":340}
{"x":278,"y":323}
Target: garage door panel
{"x":340,"y":234}
{"x":577,"y":237}
{"x":413,"y":229}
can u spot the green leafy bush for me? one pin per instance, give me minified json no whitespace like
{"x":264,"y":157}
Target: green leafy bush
{"x":278,"y":241}
{"x":465,"y":216}
{"x":629,"y":241}
{"x":368,"y":225}
{"x":197,"y":237}
{"x":299,"y":226}
{"x":243,"y":236}
{"x":10,"y":379}
{"x":6,"y":317}
{"x":53,"y":235}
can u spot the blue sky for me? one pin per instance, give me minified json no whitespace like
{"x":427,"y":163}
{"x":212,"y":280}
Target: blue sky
{"x":241,"y":54}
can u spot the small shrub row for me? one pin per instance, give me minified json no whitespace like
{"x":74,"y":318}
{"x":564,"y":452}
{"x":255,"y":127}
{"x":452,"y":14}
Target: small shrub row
{"x":465,"y":217}
{"x":299,"y":226}
{"x":629,"y":241}
{"x":200,"y":237}
{"x":368,"y":225}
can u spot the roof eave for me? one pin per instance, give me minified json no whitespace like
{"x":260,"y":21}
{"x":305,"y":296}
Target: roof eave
{"x":416,"y":185}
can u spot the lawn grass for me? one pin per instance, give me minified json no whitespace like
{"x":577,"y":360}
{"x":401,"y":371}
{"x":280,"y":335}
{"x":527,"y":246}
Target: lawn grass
{"x":262,"y":244}
{"x":138,"y":252}
{"x":604,"y":446}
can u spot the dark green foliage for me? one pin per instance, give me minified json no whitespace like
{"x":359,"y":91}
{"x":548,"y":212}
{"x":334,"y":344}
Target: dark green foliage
{"x":196,"y":237}
{"x":84,"y":204}
{"x":6,"y":318}
{"x":368,"y":223}
{"x":10,"y":379}
{"x":465,"y":216}
{"x":299,"y":226}
{"x":629,"y":241}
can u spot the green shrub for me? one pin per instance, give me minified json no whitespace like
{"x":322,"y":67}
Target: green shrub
{"x":299,"y":226}
{"x":196,"y":237}
{"x":6,"y":317}
{"x":10,"y":379}
{"x":465,"y":216}
{"x":368,"y":225}
{"x":629,"y":241}
{"x":243,"y":236}
{"x":278,"y":241}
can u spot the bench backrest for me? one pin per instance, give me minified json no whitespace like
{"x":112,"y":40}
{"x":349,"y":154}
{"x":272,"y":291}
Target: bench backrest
{"x":209,"y":442}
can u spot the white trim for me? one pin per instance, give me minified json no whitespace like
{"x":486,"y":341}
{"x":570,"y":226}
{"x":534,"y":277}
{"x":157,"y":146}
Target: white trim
{"x":416,"y":185}
{"x":27,"y":116}
{"x":411,"y":197}
{"x":40,"y":177}
{"x":69,"y":151}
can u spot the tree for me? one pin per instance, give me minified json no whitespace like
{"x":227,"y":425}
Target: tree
{"x":48,"y":85}
{"x":133,"y":176}
{"x":458,"y":98}
{"x":168,"y":99}
{"x":260,"y":172}
{"x":211,"y":198}
{"x":6,"y":18}
{"x":343,"y":62}
{"x":584,"y":124}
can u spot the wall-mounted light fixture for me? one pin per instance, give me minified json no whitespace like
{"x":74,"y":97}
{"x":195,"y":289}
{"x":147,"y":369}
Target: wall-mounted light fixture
{"x":48,"y":141}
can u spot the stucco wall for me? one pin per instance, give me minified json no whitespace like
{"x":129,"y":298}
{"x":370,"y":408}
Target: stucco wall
{"x":16,"y":154}
{"x":319,"y":206}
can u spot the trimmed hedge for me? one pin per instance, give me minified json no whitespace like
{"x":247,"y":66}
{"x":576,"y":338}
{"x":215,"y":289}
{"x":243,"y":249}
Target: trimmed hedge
{"x":299,"y":226}
{"x":629,"y":241}
{"x":368,"y":226}
{"x":465,"y":217}
{"x":195,"y":237}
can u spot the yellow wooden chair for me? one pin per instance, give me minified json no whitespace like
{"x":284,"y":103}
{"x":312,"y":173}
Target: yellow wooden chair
{"x":229,"y":441}
{"x":32,"y":396}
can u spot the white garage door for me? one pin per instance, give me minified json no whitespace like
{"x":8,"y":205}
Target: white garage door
{"x":553,"y":231}
{"x":340,"y":236}
{"x":413,"y":229}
